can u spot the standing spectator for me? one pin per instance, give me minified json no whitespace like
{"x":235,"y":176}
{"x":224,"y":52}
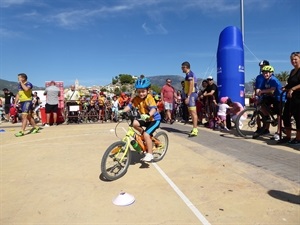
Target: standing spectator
{"x":72,"y":97}
{"x":8,"y":96}
{"x":168,"y":96}
{"x":114,"y":108}
{"x":185,"y":111}
{"x":123,"y":100}
{"x":24,"y":96}
{"x":211,"y":90}
{"x":72,"y":94}
{"x":292,"y":105}
{"x":52,"y":92}
{"x":222,"y":112}
{"x":190,"y":89}
{"x":101,"y":105}
{"x":36,"y":102}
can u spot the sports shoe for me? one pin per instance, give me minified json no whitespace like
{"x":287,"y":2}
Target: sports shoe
{"x":46,"y":125}
{"x":55,"y":124}
{"x":35,"y":130}
{"x":19,"y":134}
{"x":284,"y":140}
{"x":294,"y":142}
{"x":194,"y":132}
{"x":148,"y":157}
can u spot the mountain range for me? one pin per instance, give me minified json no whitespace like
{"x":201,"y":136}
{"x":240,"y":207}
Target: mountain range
{"x":158,"y":80}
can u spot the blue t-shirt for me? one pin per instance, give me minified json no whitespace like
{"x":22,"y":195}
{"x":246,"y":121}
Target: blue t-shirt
{"x":273,"y":82}
{"x":259,"y":81}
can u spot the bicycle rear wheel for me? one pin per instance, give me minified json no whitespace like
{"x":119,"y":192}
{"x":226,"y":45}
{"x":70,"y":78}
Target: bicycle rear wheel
{"x":248,"y":122}
{"x":115,"y":161}
{"x":160,"y":146}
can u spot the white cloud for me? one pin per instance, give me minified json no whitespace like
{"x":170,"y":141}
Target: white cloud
{"x":4,"y":33}
{"x":158,"y":29}
{"x":8,"y":3}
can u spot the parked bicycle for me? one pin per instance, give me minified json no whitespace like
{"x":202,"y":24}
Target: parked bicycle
{"x":117,"y":157}
{"x":252,"y":120}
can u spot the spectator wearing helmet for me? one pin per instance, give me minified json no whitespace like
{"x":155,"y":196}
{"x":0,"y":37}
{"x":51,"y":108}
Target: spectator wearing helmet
{"x":190,"y":89}
{"x":270,"y":92}
{"x":101,"y":106}
{"x":259,"y":80}
{"x":123,"y":100}
{"x":150,"y":117}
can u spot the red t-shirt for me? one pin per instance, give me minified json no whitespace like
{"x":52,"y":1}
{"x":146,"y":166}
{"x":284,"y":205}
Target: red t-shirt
{"x":167,"y":92}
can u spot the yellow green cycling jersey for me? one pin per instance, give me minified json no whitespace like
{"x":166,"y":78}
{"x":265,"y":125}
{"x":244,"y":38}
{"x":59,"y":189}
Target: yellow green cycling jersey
{"x":25,"y":95}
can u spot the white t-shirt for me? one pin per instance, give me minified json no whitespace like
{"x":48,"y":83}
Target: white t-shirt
{"x":223,"y":109}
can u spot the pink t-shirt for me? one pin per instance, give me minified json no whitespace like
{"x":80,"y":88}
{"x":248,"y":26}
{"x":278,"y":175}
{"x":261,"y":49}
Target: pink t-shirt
{"x":167,"y":92}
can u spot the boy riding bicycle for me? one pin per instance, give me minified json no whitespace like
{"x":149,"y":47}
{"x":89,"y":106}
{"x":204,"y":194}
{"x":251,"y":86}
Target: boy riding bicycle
{"x":150,"y":117}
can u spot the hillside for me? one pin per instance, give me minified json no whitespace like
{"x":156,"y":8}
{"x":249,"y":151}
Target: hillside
{"x":158,"y":80}
{"x":13,"y":86}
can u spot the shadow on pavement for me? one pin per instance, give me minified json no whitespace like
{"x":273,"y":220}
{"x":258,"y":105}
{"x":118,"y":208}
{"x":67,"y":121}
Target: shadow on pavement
{"x":284,"y":196}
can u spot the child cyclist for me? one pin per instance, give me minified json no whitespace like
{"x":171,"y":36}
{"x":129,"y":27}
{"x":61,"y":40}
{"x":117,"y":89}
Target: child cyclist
{"x":150,"y":117}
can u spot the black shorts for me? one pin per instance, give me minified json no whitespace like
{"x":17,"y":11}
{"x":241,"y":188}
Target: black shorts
{"x":51,"y":108}
{"x":150,"y":126}
{"x":6,"y":108}
{"x":273,"y":103}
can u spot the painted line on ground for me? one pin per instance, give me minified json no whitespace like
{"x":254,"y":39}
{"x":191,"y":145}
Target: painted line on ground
{"x":196,"y":212}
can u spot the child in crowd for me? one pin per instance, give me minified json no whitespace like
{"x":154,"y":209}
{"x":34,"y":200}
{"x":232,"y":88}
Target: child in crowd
{"x":160,"y":106}
{"x":13,"y":112}
{"x":114,"y":108}
{"x":222,"y":111}
{"x":150,"y":117}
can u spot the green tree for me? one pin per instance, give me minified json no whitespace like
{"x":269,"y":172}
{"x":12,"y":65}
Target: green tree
{"x":114,"y":81}
{"x":126,"y":79}
{"x":117,"y":91}
{"x":156,"y":88}
{"x":282,"y":76}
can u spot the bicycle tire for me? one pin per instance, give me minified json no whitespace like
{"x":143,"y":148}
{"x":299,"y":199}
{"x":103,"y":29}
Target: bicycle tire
{"x":246,"y":123}
{"x":111,"y":167}
{"x":160,"y":149}
{"x":93,"y":115}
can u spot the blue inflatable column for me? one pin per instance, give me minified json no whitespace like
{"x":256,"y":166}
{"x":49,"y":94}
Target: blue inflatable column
{"x":230,"y":65}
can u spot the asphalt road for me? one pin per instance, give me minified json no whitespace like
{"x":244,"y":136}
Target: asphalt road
{"x":283,"y":161}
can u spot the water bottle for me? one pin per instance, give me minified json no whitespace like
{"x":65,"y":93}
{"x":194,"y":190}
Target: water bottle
{"x":136,"y":146}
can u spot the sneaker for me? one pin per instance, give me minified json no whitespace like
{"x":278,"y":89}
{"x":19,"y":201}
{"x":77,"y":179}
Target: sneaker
{"x":54,"y":124}
{"x":19,"y":134}
{"x":172,"y":121}
{"x":294,"y":142}
{"x":194,"y":132}
{"x":284,"y":140}
{"x":35,"y":130}
{"x":148,"y":157}
{"x":46,"y":125}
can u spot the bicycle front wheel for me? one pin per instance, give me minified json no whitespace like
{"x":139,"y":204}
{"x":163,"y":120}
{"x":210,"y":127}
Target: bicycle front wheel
{"x":160,"y":146}
{"x":248,"y":122}
{"x":115,"y":161}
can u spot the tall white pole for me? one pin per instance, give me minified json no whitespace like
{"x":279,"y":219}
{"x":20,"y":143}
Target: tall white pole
{"x":242,"y":18}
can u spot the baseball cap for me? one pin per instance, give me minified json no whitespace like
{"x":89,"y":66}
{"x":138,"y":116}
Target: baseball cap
{"x":209,"y":78}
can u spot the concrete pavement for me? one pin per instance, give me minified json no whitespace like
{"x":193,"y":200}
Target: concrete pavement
{"x":53,"y":177}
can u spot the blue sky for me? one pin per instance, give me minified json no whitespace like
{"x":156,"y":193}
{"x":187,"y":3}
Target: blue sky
{"x":95,"y":40}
